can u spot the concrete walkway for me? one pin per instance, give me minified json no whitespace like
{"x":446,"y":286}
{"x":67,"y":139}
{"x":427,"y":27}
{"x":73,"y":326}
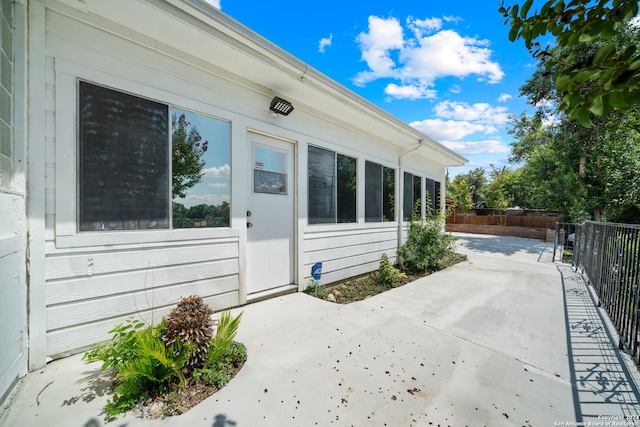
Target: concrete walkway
{"x":507,"y":338}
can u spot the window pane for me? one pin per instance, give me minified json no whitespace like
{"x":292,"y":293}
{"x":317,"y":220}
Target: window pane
{"x":373,"y":192}
{"x":388,"y":194}
{"x":346,"y":188}
{"x":123,"y":153}
{"x":430,"y":197}
{"x":322,"y":186}
{"x":418,"y":199}
{"x":407,"y":201}
{"x":201,"y":170}
{"x":269,"y":160}
{"x":269,"y":182}
{"x":436,"y":202}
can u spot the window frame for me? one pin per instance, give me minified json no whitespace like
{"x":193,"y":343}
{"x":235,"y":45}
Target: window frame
{"x":166,"y":191}
{"x":382,"y":205}
{"x":409,"y":186}
{"x":335,"y":195}
{"x":62,"y":225}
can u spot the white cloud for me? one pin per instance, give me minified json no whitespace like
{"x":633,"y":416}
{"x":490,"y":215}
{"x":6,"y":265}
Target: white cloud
{"x":193,"y":199}
{"x":635,"y":21}
{"x":455,"y":89}
{"x":324,"y":43}
{"x":504,"y":97}
{"x":409,"y":92}
{"x":480,"y":112}
{"x":447,"y":53}
{"x":489,"y":146}
{"x":418,"y":61}
{"x":451,"y":18}
{"x":214,"y":3}
{"x":384,"y":36}
{"x":218,"y":172}
{"x":420,"y":27}
{"x":451,"y":130}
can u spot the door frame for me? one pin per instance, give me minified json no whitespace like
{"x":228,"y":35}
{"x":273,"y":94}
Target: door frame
{"x":296,"y":285}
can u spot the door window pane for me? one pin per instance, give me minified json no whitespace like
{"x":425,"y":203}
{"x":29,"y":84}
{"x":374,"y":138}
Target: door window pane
{"x":201,"y":171}
{"x":269,"y":171}
{"x":123,"y":161}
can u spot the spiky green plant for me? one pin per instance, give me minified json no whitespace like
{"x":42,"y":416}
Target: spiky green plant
{"x":149,"y":371}
{"x":222,"y":341}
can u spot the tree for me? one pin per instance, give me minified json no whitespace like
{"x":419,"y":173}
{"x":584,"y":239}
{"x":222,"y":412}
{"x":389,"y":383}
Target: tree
{"x":592,"y":82}
{"x":460,"y":192}
{"x":187,"y":153}
{"x":477,"y":181}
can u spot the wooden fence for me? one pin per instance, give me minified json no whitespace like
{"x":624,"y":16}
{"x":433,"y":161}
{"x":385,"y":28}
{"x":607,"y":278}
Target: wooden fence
{"x":537,"y":221}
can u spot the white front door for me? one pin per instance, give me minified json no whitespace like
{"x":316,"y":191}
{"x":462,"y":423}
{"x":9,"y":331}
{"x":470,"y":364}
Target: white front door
{"x":270,"y":214}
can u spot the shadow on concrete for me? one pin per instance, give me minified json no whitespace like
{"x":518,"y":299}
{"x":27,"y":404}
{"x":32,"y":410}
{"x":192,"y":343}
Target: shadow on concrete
{"x":221,"y":420}
{"x":599,"y":373}
{"x":505,"y":245}
{"x":96,"y":383}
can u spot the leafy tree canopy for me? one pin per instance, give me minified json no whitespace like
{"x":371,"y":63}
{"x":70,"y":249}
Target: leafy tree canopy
{"x":592,"y":82}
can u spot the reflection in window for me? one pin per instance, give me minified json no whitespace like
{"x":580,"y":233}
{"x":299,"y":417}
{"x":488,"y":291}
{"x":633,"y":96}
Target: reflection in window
{"x":201,"y":172}
{"x":332,"y":187}
{"x":269,"y":171}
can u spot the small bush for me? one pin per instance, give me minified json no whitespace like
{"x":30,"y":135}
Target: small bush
{"x":148,"y":367}
{"x":388,"y":275}
{"x":427,"y":245}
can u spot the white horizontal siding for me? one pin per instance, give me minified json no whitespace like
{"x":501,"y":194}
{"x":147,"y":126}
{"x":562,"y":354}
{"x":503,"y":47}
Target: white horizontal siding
{"x":348,"y":253}
{"x":81,"y":288}
{"x":87,"y":311}
{"x":91,"y":289}
{"x":70,"y":340}
{"x":109,"y":261}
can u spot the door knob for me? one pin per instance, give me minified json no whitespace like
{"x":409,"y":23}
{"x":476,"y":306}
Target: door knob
{"x":249,"y":225}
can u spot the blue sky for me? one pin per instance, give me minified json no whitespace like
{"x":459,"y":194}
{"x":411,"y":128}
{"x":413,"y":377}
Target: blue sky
{"x":446,"y":68}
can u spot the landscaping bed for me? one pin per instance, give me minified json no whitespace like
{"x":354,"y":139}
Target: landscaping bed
{"x":363,"y":287}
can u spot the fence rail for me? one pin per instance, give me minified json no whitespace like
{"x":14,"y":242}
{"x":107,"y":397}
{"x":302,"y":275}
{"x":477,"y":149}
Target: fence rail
{"x":609,"y":255}
{"x":508,"y":220}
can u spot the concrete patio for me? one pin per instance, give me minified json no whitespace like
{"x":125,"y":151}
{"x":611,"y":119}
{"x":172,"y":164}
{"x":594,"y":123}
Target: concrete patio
{"x":506,"y":338}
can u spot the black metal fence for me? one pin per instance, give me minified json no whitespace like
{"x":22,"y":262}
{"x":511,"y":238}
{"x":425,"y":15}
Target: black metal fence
{"x":609,"y":255}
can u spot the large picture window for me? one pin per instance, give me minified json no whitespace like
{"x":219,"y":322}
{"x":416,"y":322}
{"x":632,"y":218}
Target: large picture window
{"x":142,"y":163}
{"x":379,"y":193}
{"x":332,"y":187}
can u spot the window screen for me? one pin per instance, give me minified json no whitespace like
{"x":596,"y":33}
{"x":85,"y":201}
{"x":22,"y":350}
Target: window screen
{"x":123,"y":161}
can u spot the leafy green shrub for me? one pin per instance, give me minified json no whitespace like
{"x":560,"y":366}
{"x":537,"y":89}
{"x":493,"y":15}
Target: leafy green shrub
{"x":388,"y":275}
{"x":120,"y":349}
{"x":148,"y":366}
{"x":426,"y":246}
{"x":149,"y":372}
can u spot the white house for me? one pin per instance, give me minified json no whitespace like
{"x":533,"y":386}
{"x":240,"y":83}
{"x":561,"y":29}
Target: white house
{"x":97,"y":97}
